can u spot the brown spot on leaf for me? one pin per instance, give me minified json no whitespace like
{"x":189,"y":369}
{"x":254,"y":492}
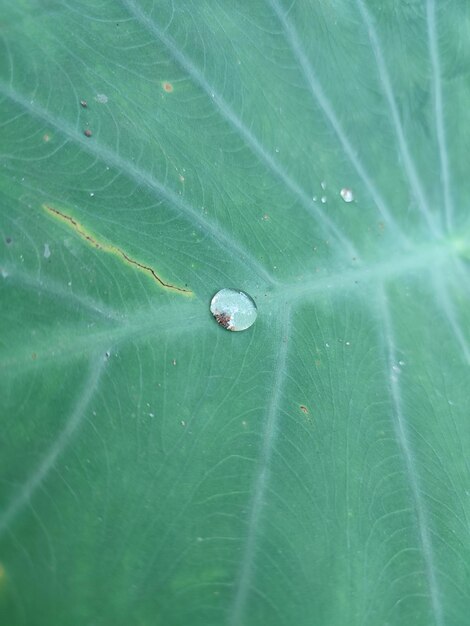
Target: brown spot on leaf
{"x":304,"y":409}
{"x":87,"y":132}
{"x":168,"y":87}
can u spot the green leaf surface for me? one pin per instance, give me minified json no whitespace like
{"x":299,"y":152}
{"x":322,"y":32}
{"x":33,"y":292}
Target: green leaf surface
{"x":156,"y":469}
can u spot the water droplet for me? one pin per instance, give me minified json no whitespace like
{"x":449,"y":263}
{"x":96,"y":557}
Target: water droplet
{"x":346,"y":194}
{"x":323,"y":199}
{"x":234,"y":310}
{"x":47,"y":251}
{"x":276,"y":149}
{"x":323,"y":185}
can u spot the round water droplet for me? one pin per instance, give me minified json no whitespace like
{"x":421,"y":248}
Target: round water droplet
{"x":234,"y":310}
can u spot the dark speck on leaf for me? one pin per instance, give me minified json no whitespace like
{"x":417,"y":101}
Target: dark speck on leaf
{"x":87,"y":132}
{"x":8,"y":241}
{"x":83,"y":103}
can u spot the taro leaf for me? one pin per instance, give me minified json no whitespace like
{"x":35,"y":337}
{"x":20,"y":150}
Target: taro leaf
{"x":157,"y":469}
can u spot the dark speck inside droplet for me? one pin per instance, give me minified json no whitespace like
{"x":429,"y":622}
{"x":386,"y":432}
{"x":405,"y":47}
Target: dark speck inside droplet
{"x":233,"y":309}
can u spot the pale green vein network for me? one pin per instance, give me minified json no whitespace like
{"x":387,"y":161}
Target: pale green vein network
{"x":186,"y":326}
{"x":110,"y":157}
{"x":238,"y":124}
{"x":401,"y":430}
{"x":70,"y":425}
{"x":320,"y":96}
{"x":271,"y":430}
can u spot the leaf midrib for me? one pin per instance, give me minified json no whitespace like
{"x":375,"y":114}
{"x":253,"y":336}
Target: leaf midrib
{"x":188,"y":316}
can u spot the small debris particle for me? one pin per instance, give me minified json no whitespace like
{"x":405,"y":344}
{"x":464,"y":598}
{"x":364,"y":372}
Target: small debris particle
{"x":8,"y":241}
{"x":34,"y":356}
{"x":101,"y":98}
{"x":83,"y":103}
{"x":168,"y":87}
{"x":87,"y":132}
{"x":46,"y":138}
{"x":304,"y":409}
{"x":47,"y":251}
{"x":107,"y":354}
{"x":346,"y":194}
{"x":224,"y":320}
{"x":183,"y":423}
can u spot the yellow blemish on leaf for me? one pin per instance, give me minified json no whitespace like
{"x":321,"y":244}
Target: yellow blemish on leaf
{"x":71,"y":222}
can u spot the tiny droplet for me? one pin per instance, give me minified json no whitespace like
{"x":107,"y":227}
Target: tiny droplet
{"x":347,"y":195}
{"x":233,"y":309}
